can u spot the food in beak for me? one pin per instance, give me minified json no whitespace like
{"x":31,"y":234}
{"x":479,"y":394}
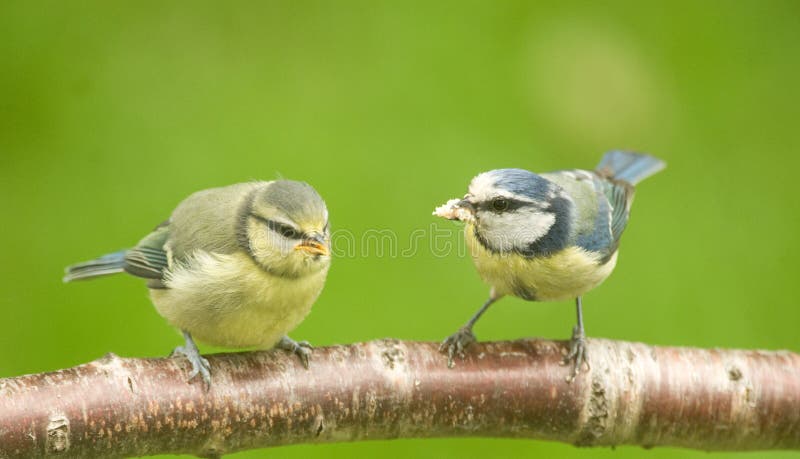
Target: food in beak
{"x":455,"y":209}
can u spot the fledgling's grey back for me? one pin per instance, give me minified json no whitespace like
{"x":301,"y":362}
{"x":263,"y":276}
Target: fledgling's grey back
{"x":207,"y":220}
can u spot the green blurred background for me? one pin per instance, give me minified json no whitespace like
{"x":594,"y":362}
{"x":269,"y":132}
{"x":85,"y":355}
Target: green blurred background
{"x":112,"y":112}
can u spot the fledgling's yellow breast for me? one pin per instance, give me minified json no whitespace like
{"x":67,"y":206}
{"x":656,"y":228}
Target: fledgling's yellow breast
{"x":565,"y":275}
{"x":226,"y":300}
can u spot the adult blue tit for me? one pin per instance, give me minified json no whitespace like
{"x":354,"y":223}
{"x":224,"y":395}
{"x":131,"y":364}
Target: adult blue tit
{"x":547,"y":237}
{"x":238,"y":266}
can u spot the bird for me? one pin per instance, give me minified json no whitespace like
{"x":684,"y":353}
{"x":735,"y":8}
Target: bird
{"x":237,"y":266}
{"x":546,"y":237}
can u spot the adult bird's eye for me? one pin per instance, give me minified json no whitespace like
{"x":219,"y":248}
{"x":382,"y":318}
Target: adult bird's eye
{"x":500,"y":204}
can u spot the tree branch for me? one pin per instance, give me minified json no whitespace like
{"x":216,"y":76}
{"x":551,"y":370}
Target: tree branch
{"x":634,"y":394}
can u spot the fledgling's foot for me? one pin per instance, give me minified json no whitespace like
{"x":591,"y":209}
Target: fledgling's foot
{"x":302,"y":349}
{"x":577,"y":353}
{"x":200,"y":365}
{"x":456,"y":343}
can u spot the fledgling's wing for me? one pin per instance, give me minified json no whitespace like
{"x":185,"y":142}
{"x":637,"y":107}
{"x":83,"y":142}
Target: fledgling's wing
{"x":149,"y":259}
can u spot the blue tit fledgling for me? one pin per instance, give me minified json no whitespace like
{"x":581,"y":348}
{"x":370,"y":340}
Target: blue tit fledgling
{"x":547,"y":237}
{"x":237,"y":266}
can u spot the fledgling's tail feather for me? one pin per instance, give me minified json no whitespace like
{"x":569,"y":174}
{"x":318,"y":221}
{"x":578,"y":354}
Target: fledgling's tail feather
{"x":111,"y":263}
{"x":628,"y":166}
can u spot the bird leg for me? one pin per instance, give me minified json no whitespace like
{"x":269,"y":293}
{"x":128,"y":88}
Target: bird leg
{"x":200,"y":365}
{"x":577,"y":345}
{"x":456,"y":343}
{"x":302,"y":349}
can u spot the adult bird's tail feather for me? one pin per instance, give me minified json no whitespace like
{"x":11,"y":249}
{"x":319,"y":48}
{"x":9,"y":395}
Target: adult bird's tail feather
{"x":111,"y":263}
{"x":628,"y":166}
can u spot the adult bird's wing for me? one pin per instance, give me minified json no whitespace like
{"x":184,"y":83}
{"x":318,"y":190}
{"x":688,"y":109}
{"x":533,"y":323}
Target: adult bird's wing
{"x":619,"y":171}
{"x":620,"y":196}
{"x":597,"y":217}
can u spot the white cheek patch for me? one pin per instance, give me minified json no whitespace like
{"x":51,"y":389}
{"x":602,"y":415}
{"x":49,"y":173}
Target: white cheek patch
{"x":539,"y":224}
{"x":516,"y":230}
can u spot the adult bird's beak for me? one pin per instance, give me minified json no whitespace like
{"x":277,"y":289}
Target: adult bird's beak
{"x":314,"y":245}
{"x":457,"y":209}
{"x":466,"y":205}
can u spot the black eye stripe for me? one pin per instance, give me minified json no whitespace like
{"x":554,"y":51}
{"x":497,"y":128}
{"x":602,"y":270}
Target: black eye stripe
{"x":511,"y":205}
{"x":283,"y":229}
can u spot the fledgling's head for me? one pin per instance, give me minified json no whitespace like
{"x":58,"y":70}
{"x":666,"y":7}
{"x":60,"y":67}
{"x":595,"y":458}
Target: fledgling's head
{"x":285,"y":229}
{"x":513,"y":211}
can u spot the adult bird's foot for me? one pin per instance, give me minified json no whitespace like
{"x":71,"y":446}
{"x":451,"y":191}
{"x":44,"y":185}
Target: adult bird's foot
{"x":577,"y":353}
{"x":302,"y":349}
{"x":456,"y":343}
{"x":200,"y":365}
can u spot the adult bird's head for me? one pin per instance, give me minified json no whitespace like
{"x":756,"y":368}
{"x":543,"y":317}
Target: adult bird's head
{"x":512,"y":211}
{"x":285,"y":229}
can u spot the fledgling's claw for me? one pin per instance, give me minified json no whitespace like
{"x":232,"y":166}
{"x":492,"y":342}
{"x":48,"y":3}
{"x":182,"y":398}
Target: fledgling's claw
{"x":577,"y":353}
{"x":456,"y":344}
{"x":200,"y":365}
{"x":302,"y":349}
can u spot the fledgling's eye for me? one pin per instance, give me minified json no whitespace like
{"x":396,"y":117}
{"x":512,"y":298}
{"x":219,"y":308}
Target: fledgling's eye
{"x":500,"y":204}
{"x":289,"y":232}
{"x":283,"y":229}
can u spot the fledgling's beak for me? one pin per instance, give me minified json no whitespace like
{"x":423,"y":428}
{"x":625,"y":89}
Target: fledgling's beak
{"x":313,"y":245}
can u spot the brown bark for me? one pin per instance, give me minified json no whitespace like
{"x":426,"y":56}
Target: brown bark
{"x":634,"y":394}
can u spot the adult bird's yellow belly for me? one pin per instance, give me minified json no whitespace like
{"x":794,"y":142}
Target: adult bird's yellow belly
{"x":565,"y":275}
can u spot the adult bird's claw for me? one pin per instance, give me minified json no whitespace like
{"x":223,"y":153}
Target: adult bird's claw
{"x":302,"y":349}
{"x":456,"y":343}
{"x":200,"y":365}
{"x":577,"y":353}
